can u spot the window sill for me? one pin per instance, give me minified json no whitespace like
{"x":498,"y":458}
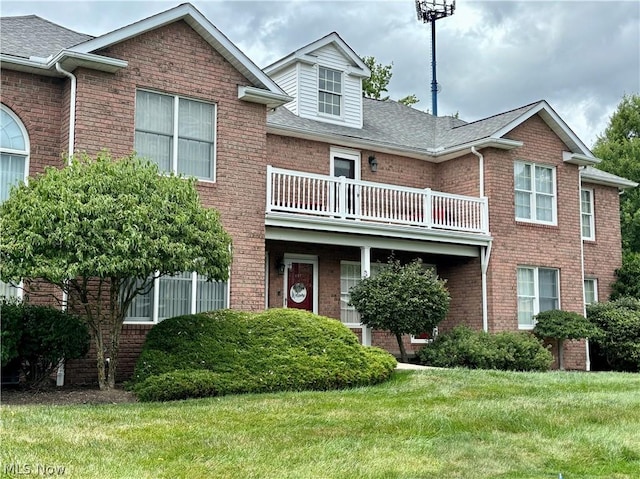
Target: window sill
{"x":536,"y":224}
{"x":526,"y":327}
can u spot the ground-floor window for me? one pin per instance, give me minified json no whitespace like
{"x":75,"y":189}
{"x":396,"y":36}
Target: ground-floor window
{"x":7,"y":290}
{"x":538,"y":290}
{"x":590,"y":290}
{"x":183,"y":293}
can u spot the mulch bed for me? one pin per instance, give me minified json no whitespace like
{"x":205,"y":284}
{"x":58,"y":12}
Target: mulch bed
{"x":54,"y":396}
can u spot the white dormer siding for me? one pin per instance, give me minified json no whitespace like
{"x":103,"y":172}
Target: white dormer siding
{"x":298,"y":75}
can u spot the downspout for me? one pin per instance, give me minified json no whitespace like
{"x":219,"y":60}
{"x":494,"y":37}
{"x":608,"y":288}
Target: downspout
{"x":485,"y":253}
{"x":72,"y":136}
{"x":587,"y":359}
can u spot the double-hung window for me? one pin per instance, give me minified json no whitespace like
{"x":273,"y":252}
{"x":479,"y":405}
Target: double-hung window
{"x":14,"y":165}
{"x":350,"y":275}
{"x":178,"y":134}
{"x":586,"y":214}
{"x":538,"y":290}
{"x":329,"y":91}
{"x":535,"y":192}
{"x":590,"y":290}
{"x":183,"y":293}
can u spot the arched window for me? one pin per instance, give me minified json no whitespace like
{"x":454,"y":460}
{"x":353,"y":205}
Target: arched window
{"x":14,"y":151}
{"x":14,"y":167}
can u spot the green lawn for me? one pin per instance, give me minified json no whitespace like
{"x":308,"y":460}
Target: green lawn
{"x":435,"y":423}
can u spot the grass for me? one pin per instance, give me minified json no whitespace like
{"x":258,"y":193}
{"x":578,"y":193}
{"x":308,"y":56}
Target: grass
{"x":435,"y":423}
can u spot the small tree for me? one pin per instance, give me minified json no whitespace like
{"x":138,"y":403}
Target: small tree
{"x":627,"y":283}
{"x":402,"y":299}
{"x":101,"y":231}
{"x":563,"y":325}
{"x":376,"y":84}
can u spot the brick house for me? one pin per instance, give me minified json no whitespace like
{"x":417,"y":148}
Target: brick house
{"x":315,"y":183}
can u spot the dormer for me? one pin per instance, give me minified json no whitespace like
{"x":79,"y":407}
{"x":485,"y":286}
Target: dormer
{"x":325,"y":80}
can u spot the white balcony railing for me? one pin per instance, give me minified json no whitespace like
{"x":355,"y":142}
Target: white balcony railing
{"x":303,"y":193}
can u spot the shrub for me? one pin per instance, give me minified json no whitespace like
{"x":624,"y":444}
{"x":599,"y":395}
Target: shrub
{"x":227,"y":351}
{"x":401,"y":299}
{"x":627,"y":277}
{"x":39,"y":337}
{"x":464,"y":347}
{"x":619,"y":342}
{"x":562,"y":325}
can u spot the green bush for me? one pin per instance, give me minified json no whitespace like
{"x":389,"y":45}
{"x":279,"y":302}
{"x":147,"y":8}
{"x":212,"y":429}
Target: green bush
{"x":277,"y":350}
{"x":464,"y":347}
{"x":627,"y":277}
{"x":39,"y":337}
{"x":619,"y":342}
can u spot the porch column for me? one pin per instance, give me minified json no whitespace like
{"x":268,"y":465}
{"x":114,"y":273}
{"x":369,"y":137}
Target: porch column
{"x":365,"y":271}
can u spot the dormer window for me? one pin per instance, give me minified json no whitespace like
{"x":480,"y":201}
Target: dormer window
{"x":329,"y":91}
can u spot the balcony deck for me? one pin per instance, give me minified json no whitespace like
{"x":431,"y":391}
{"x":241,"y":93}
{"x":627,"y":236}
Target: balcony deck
{"x":336,"y":200}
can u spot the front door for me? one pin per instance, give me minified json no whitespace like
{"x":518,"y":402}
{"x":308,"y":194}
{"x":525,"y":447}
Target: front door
{"x":300,"y":285}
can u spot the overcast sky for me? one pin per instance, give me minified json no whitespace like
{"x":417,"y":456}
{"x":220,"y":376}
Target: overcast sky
{"x":493,"y":56}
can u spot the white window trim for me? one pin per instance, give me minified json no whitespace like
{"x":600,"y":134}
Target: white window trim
{"x":533,"y":193}
{"x":592,"y":222}
{"x":176,"y":121}
{"x":341,"y":95}
{"x":536,"y":292}
{"x":194,"y":299}
{"x":595,"y":290}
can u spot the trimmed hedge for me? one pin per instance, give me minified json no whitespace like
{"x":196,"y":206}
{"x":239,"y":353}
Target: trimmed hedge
{"x":36,"y":338}
{"x":619,"y":342}
{"x":225,"y":352}
{"x":464,"y":347}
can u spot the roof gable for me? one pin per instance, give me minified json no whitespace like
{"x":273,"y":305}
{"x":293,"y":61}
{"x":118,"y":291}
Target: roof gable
{"x":305,"y":54}
{"x":189,"y":14}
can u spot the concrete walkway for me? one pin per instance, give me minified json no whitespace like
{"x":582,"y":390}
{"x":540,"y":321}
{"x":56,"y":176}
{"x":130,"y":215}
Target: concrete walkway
{"x":411,"y":366}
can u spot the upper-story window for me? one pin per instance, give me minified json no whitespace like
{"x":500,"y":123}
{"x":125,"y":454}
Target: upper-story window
{"x":176,"y":133}
{"x":14,"y":166}
{"x":329,"y":91}
{"x":535,"y":192}
{"x":586,"y":214}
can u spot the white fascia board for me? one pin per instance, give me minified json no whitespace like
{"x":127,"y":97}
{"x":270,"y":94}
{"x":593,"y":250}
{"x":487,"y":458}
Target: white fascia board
{"x":303,"y":55}
{"x":553,"y":120}
{"x":264,"y":97}
{"x":578,"y":159}
{"x":202,"y":26}
{"x":433,"y":245}
{"x":612,"y":180}
{"x":465,"y":148}
{"x":68,"y":59}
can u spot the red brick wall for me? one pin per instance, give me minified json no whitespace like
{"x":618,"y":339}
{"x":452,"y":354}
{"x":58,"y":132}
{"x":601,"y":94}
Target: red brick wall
{"x":459,"y":176}
{"x":176,"y":60}
{"x":38,"y":102}
{"x":603,"y":255}
{"x":519,"y":243}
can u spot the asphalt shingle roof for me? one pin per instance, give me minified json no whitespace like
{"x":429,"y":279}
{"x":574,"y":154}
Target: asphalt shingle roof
{"x":392,"y":123}
{"x":31,"y":35}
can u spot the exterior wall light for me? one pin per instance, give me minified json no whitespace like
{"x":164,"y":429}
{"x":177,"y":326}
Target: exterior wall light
{"x":373,"y":163}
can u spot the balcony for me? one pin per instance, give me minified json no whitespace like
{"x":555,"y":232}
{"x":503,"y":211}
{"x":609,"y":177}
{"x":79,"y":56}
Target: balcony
{"x":338,"y":199}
